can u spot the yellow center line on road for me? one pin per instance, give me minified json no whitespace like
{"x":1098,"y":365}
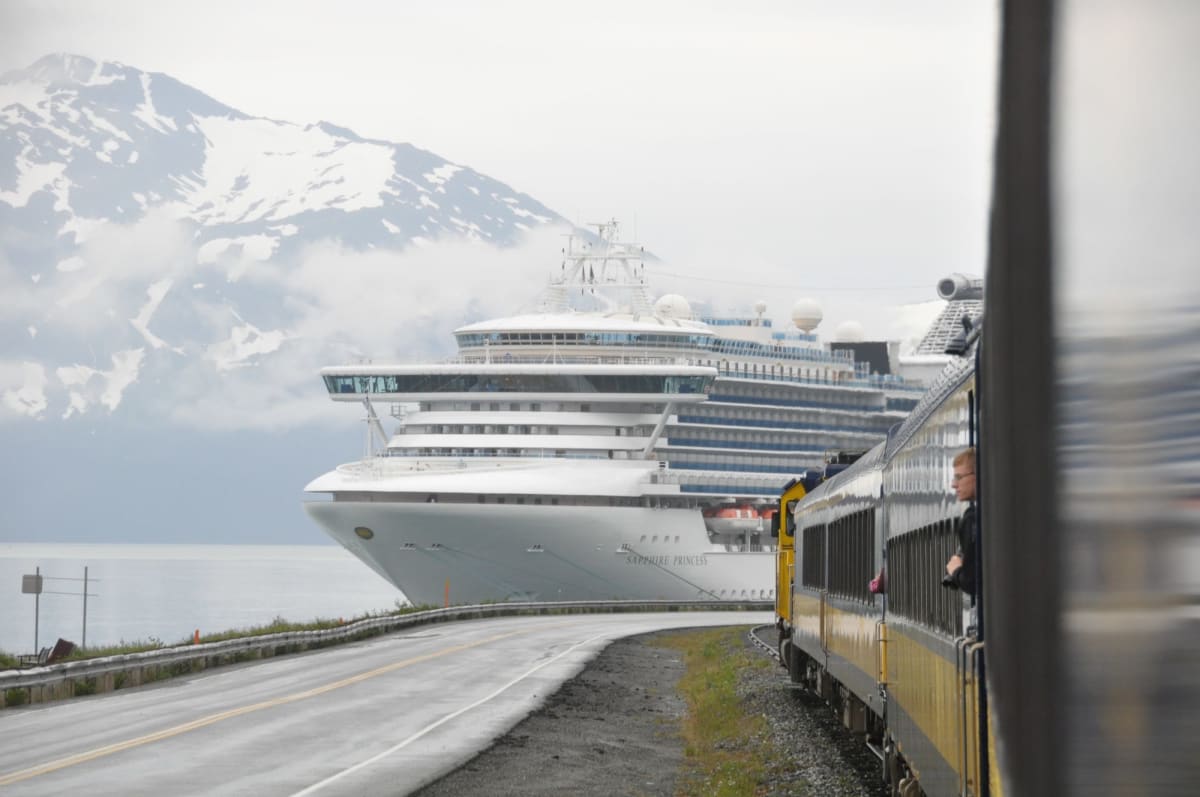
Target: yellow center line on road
{"x":100,"y":752}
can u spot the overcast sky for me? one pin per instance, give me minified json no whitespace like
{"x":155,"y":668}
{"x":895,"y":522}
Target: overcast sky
{"x":763,"y":150}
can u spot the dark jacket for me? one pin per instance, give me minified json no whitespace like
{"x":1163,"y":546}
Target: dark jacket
{"x":964,"y":577}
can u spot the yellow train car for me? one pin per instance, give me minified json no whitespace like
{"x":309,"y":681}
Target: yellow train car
{"x":837,"y":619}
{"x":783,"y":528}
{"x":873,"y":629}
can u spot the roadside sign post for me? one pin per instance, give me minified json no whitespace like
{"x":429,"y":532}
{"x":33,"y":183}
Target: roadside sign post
{"x":33,"y":585}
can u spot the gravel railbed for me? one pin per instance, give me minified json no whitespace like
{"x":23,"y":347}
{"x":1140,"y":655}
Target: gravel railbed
{"x":821,"y":756}
{"x":614,"y":730}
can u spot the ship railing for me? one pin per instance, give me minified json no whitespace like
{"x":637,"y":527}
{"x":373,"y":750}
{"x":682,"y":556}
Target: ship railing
{"x":834,"y":379}
{"x":572,"y":359}
{"x":839,"y":376}
{"x":389,"y":466}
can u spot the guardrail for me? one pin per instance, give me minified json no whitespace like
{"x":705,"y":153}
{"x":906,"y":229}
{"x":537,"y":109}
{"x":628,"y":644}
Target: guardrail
{"x":91,"y":676}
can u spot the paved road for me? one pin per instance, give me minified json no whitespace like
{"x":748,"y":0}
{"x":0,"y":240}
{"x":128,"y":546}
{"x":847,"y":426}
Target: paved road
{"x":378,"y":717}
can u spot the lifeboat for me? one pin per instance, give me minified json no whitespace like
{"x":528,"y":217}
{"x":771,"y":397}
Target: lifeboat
{"x":741,"y":519}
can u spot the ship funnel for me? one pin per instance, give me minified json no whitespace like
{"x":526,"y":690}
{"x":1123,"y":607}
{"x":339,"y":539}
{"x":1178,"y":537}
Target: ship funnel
{"x":957,"y":287}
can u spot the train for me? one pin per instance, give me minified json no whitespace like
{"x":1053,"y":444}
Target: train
{"x":1076,"y":669}
{"x":863,"y":615}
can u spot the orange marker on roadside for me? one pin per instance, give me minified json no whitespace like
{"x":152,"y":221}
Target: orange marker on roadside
{"x":196,"y":637}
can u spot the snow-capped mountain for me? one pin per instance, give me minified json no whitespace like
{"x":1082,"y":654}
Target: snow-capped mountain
{"x":150,"y":233}
{"x":82,"y":143}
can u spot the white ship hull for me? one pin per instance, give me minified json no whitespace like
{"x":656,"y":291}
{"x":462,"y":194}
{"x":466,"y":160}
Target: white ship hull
{"x":469,"y":553}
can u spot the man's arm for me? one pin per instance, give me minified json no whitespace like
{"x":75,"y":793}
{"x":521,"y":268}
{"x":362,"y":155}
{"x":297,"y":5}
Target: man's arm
{"x":960,"y":570}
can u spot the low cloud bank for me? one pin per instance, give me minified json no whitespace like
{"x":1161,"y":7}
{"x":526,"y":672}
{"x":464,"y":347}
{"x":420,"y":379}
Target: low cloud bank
{"x":139,"y":318}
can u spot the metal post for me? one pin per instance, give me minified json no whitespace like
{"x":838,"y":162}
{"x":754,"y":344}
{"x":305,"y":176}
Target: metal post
{"x":37,"y":601}
{"x":84,"y":643}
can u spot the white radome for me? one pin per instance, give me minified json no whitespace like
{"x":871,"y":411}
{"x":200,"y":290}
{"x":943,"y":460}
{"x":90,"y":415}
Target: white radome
{"x":850,"y":332}
{"x":672,"y":305}
{"x":806,"y":314}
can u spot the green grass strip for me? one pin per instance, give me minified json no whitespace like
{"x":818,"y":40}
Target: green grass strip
{"x":728,"y":752}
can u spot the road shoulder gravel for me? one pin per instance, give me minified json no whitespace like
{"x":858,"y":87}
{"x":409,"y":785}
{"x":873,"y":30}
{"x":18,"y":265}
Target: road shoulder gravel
{"x":614,"y":729}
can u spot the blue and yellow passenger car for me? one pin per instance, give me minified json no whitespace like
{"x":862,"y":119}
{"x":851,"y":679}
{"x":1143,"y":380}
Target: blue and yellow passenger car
{"x":902,"y":666}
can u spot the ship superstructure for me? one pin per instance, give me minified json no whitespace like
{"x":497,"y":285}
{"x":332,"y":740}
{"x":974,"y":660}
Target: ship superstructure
{"x":605,"y":446}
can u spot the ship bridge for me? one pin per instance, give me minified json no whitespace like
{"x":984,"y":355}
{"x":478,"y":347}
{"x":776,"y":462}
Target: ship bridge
{"x":539,"y":381}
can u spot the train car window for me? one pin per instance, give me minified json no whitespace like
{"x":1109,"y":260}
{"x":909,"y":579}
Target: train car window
{"x":812,"y":570}
{"x":851,"y":556}
{"x":916,"y":561}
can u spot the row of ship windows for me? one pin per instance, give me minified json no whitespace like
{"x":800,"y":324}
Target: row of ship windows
{"x":878,"y":426}
{"x":711,"y":435}
{"x":723,"y":489}
{"x":653,"y":340}
{"x":746,"y":397}
{"x":749,"y":594}
{"x":816,"y":376}
{"x":540,"y":453}
{"x":478,"y":429}
{"x":684,"y":438}
{"x":644,"y":502}
{"x":768,"y":462}
{"x":534,"y":406}
{"x":746,"y":445}
{"x":516,"y":383}
{"x":608,"y":431}
{"x":783,"y":465}
{"x":702,"y":343}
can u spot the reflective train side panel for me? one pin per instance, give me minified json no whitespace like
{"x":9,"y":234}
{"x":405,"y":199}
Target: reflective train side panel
{"x":837,"y":619}
{"x":930,"y":647}
{"x":900,"y":667}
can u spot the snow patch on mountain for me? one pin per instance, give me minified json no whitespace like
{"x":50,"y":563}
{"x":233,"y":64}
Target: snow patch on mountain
{"x":146,"y":111}
{"x":441,"y":174}
{"x":31,"y":178}
{"x":262,"y":170}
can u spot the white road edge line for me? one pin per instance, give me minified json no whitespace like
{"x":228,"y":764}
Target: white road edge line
{"x":363,"y":764}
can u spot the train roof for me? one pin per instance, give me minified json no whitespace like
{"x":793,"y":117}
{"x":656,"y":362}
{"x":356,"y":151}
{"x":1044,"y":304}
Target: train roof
{"x":872,"y":460}
{"x":957,"y":371}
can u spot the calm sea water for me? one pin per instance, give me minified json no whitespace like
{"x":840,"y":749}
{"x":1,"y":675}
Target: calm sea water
{"x":139,"y":592}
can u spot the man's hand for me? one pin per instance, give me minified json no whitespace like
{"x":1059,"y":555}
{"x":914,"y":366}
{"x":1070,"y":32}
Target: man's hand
{"x":954,"y":564}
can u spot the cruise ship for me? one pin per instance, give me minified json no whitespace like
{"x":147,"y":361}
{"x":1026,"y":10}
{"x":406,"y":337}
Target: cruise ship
{"x":607,"y":446}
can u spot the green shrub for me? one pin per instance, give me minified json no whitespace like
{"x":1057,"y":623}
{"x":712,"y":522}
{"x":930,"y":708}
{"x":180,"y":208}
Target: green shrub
{"x":16,"y":697}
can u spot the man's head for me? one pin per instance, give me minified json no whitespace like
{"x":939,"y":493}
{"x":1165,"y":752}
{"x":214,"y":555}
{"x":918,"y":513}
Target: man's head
{"x":964,"y":475}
